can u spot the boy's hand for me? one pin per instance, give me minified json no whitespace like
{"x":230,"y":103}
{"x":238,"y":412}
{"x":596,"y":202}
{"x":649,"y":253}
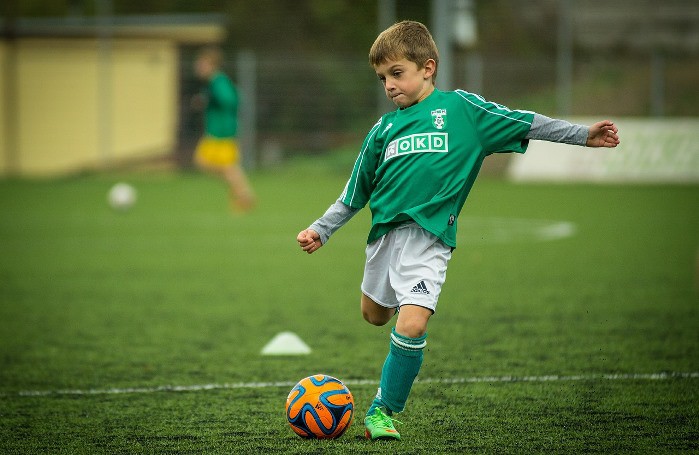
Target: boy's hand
{"x":603,"y":134}
{"x":198,"y":102}
{"x":309,"y":240}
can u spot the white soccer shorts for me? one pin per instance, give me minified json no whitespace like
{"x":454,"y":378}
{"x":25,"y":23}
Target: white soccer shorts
{"x":407,"y":266}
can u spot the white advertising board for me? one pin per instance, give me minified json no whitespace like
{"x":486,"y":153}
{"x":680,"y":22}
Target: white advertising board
{"x":651,"y":150}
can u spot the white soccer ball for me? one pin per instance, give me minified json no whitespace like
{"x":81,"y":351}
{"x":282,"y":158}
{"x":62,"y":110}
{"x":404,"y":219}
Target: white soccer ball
{"x":121,"y":196}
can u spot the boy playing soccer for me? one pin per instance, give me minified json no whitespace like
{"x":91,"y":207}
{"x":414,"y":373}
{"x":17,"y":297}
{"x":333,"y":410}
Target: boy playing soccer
{"x":217,"y":151}
{"x":415,"y":169}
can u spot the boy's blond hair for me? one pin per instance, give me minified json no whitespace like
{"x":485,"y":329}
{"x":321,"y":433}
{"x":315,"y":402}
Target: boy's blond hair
{"x":406,"y":39}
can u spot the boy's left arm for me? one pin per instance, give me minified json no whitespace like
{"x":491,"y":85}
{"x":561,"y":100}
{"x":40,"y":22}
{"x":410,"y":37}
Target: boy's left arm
{"x":600,"y":134}
{"x":603,"y":134}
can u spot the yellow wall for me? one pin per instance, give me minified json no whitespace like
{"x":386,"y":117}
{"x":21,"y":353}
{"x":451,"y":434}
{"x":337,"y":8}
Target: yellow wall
{"x":145,"y":103}
{"x":57,"y":112}
{"x":64,"y":86}
{"x":3,"y":101}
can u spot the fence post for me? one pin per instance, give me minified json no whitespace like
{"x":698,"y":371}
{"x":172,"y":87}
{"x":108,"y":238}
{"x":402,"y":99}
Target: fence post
{"x":386,"y":18}
{"x":443,"y":34}
{"x":247,"y":114}
{"x":564,"y":73}
{"x":657,"y":83}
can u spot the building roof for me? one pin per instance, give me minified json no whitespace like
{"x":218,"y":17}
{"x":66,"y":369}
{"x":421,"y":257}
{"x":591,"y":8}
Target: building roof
{"x":187,"y":29}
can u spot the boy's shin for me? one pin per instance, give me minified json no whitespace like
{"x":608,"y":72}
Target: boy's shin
{"x":399,"y":371}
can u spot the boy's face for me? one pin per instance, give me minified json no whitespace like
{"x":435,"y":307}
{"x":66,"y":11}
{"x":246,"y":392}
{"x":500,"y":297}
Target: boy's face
{"x":204,"y":68}
{"x":406,"y":84}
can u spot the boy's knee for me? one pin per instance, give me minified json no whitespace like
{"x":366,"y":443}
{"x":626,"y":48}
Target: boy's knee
{"x":412,"y":321}
{"x":374,"y":313}
{"x":411,"y":329}
{"x":374,"y":318}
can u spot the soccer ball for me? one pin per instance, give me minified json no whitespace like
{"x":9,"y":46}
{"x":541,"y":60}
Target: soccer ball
{"x":319,"y":407}
{"x":121,"y":196}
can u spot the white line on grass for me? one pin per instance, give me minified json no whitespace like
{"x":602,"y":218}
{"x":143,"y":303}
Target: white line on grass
{"x":358,"y":382}
{"x":489,"y":230}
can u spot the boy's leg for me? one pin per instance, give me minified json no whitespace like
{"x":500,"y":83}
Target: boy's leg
{"x":412,"y":321}
{"x":241,"y":193}
{"x":405,"y":267}
{"x":374,"y":313}
{"x":399,"y":371}
{"x":404,"y":359}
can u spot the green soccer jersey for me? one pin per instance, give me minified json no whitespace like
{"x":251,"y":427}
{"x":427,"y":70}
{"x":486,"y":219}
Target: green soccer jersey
{"x":222,"y":107}
{"x":419,"y":163}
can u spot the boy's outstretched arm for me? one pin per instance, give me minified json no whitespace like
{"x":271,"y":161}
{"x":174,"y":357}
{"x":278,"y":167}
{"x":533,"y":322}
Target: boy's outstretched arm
{"x":603,"y":134}
{"x":320,"y":231}
{"x":600,"y":134}
{"x":309,"y":240}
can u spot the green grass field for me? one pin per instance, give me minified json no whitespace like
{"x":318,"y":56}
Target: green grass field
{"x":582,"y":344}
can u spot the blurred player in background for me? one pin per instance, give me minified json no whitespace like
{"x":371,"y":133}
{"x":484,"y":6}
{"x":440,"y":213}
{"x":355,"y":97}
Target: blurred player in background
{"x":218,"y":150}
{"x":415,"y":169}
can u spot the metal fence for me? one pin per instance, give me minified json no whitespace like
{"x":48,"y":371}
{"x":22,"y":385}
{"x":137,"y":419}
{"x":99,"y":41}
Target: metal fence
{"x":294,"y":104}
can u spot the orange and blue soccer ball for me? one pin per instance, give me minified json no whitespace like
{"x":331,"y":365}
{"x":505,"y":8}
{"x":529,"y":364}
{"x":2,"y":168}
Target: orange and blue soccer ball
{"x":319,"y":407}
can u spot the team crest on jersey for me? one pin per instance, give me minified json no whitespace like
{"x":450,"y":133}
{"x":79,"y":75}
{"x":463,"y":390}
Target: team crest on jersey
{"x":439,"y":118}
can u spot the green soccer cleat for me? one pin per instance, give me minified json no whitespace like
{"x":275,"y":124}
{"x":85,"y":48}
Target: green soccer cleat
{"x":380,"y":426}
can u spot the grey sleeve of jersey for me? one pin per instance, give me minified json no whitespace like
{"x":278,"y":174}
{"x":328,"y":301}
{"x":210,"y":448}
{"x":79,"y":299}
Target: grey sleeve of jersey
{"x":334,"y":218}
{"x":553,"y":130}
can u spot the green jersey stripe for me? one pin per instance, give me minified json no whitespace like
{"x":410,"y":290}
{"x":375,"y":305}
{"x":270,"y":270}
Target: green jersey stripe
{"x":358,"y":166}
{"x":465,"y":95}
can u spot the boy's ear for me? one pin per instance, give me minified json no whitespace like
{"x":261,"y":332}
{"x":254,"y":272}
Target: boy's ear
{"x":430,"y":68}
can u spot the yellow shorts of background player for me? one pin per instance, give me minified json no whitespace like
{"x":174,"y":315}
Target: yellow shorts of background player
{"x":217,"y":152}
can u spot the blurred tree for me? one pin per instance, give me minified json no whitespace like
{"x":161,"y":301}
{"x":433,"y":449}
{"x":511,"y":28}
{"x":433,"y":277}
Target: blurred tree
{"x":38,"y":8}
{"x":306,"y":25}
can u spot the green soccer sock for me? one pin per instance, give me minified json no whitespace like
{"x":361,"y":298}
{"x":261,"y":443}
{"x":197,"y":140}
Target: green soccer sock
{"x":399,"y":371}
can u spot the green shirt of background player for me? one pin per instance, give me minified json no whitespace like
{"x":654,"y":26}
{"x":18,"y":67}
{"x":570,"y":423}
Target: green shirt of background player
{"x":218,"y":151}
{"x":415,"y":169}
{"x":220,"y":116}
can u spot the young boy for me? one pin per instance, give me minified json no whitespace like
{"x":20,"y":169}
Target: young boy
{"x":415,"y":169}
{"x":217,"y":151}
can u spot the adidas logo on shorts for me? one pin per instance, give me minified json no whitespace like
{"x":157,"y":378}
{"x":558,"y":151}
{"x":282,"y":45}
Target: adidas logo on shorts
{"x":419,"y":288}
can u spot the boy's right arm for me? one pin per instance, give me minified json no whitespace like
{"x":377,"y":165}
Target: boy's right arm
{"x":359,"y":186}
{"x":320,"y":231}
{"x":309,"y":240}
